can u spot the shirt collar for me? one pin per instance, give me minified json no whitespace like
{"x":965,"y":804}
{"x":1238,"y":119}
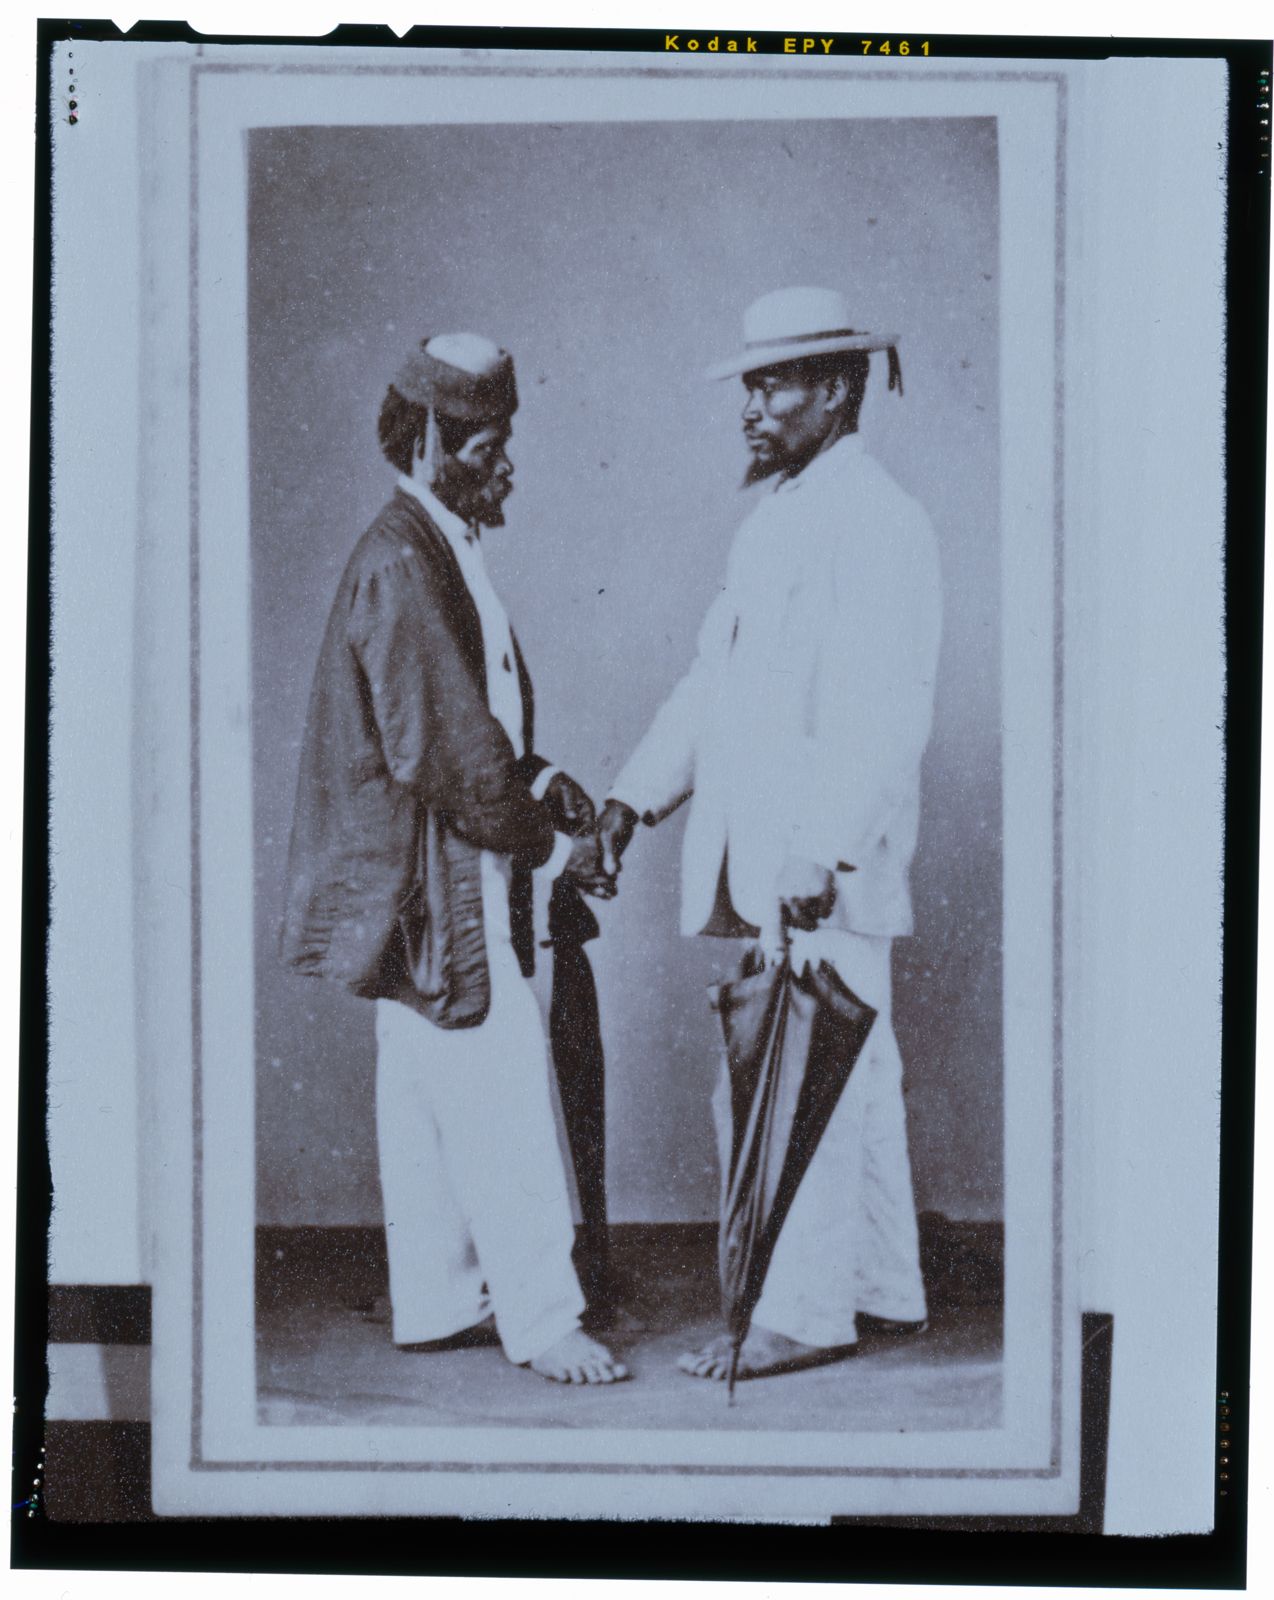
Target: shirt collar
{"x":847,"y":449}
{"x":458,"y":533}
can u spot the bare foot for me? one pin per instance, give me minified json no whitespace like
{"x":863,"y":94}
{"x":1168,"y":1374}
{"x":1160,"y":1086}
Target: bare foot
{"x":576,"y":1358}
{"x":764,"y":1354}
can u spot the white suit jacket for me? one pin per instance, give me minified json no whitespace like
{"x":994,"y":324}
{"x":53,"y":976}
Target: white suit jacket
{"x":800,"y":726}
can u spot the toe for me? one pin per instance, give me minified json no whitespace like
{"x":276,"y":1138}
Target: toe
{"x":696,"y":1361}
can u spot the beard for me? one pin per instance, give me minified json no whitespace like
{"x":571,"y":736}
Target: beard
{"x":471,"y":496}
{"x":761,"y":467}
{"x":780,"y":458}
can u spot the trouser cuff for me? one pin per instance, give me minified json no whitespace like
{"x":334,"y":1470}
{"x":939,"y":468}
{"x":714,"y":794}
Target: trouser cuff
{"x":524,"y":1343}
{"x":822,"y":1333}
{"x":425,"y":1329}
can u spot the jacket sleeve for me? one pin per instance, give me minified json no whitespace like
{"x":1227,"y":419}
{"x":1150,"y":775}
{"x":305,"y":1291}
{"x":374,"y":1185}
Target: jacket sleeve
{"x":659,"y":774}
{"x":875,"y":678}
{"x":437,"y":734}
{"x":531,"y":769}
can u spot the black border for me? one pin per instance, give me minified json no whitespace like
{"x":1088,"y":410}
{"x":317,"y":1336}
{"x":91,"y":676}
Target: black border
{"x":33,"y":1175}
{"x":867,"y":1553}
{"x":1253,"y":53}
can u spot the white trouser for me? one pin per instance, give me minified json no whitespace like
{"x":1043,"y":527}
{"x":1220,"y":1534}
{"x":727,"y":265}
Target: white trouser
{"x":477,"y":1215}
{"x":849,"y":1242}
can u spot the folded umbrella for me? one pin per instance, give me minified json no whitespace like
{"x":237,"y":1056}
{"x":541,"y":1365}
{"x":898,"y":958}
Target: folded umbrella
{"x":791,"y":1042}
{"x":575,"y":1038}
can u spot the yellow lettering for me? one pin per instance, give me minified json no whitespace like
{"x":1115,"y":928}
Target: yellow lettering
{"x":789,"y":47}
{"x":692,"y":44}
{"x":827,"y":44}
{"x":752,"y":44}
{"x":732,"y":45}
{"x":670,"y":41}
{"x":712,"y":43}
{"x":808,"y":45}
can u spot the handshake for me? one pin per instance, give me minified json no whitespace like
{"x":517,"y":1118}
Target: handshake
{"x":599,"y":842}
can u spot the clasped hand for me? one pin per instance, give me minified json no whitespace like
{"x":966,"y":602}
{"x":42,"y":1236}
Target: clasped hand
{"x":584,"y":868}
{"x":598,"y":873}
{"x":573,"y":813}
{"x":569,"y":807}
{"x":806,"y":893}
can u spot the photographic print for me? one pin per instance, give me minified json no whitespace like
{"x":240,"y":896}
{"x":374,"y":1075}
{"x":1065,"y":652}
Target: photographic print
{"x":637,"y":768}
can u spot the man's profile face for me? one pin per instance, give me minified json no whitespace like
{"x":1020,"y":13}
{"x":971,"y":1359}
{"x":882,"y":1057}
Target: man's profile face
{"x":478,"y":478}
{"x":785,"y":419}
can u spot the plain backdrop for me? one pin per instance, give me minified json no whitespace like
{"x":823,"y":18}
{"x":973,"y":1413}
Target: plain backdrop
{"x":614,"y":261}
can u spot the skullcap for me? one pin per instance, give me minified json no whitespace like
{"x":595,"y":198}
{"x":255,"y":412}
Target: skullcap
{"x":460,"y":375}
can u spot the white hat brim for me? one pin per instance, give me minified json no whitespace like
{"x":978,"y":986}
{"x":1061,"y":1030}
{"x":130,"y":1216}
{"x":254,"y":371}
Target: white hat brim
{"x":777,"y":355}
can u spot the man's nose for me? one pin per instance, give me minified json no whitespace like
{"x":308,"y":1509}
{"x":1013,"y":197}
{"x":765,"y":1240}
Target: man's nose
{"x":752,"y":409}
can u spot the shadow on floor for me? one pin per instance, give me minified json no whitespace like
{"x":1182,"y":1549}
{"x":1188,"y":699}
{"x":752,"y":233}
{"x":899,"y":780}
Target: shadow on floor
{"x":320,"y":1361}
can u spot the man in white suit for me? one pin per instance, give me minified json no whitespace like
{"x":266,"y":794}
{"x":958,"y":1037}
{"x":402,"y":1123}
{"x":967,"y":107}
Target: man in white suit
{"x":797,"y":734}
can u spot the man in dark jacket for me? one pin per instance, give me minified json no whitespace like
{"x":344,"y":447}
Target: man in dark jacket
{"x":421,"y":814}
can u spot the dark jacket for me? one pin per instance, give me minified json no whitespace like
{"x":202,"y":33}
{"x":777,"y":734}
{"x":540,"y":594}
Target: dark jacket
{"x":406,"y":777}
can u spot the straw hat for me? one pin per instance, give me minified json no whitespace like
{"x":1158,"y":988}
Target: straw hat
{"x":794,"y":324}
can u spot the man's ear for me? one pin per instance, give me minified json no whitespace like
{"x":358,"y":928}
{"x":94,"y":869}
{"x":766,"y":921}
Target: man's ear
{"x":837,"y":388}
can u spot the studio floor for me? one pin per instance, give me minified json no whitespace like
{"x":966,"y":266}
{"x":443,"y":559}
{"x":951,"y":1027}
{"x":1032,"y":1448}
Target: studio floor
{"x":321,"y":1361}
